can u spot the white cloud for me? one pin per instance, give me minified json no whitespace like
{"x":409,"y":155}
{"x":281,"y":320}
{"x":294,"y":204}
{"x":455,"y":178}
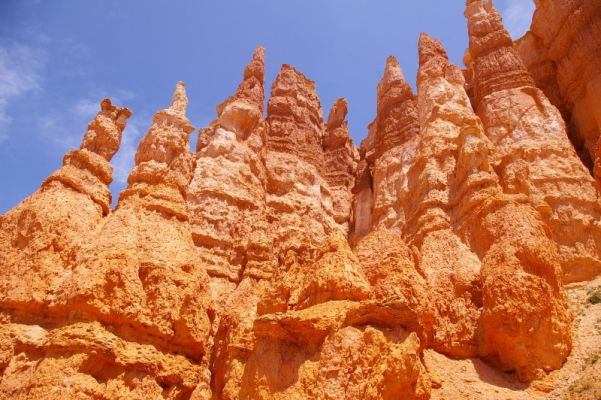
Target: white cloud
{"x":86,"y":108}
{"x":123,"y":161}
{"x":60,"y":132}
{"x":20,"y":67}
{"x":517,"y":16}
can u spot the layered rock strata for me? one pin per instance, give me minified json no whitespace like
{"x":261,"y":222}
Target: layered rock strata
{"x":227,"y":194}
{"x":227,"y":200}
{"x":129,"y":314}
{"x":336,"y":314}
{"x":568,"y":67}
{"x":299,"y":199}
{"x":45,"y":232}
{"x":525,"y":256}
{"x":279,"y":261}
{"x":340,"y":162}
{"x":534,"y":154}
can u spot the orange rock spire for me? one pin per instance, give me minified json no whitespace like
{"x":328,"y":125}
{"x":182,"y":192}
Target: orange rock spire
{"x":495,"y":64}
{"x":43,"y":233}
{"x":473,"y":188}
{"x":389,"y":147}
{"x":281,"y":262}
{"x":568,"y":67}
{"x":295,"y":117}
{"x":141,"y":272}
{"x":396,"y":120}
{"x":252,"y":87}
{"x":341,"y":157}
{"x":227,"y":194}
{"x":533,"y":148}
{"x":426,"y":200}
{"x":298,"y":196}
{"x":164,"y":164}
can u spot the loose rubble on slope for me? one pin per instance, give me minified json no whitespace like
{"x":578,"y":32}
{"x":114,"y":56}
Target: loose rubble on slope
{"x":455,"y":254}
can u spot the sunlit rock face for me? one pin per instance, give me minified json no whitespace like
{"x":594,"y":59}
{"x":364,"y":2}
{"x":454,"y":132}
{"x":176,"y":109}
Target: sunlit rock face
{"x":113,"y":303}
{"x":563,"y":54}
{"x":534,"y":154}
{"x":280,"y":261}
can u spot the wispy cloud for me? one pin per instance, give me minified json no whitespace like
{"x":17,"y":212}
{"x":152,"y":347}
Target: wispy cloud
{"x":517,"y":16}
{"x":61,"y":133}
{"x":85,"y":108}
{"x":123,"y":161}
{"x":20,"y":68}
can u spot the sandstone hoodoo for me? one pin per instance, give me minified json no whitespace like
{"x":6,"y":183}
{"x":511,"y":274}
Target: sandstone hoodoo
{"x":529,"y":136}
{"x":456,"y":253}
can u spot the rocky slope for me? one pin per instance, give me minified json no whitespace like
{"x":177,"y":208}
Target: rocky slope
{"x":454,"y":255}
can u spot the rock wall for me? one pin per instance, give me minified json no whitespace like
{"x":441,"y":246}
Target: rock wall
{"x":280,"y":261}
{"x":534,"y":154}
{"x":564,"y":57}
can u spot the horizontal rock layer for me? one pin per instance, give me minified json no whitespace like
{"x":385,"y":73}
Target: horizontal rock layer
{"x":280,"y":261}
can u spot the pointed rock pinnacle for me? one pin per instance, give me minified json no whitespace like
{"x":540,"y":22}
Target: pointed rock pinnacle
{"x":103,"y":136}
{"x":430,"y":48}
{"x":179,"y":102}
{"x":252,"y":87}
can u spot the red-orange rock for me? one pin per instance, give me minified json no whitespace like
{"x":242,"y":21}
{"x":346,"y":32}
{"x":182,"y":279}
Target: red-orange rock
{"x":533,"y":154}
{"x":518,"y":251}
{"x":295,"y":117}
{"x":135,"y":292}
{"x":226,"y":197}
{"x":132,"y":275}
{"x":544,"y":71}
{"x":101,"y":313}
{"x":299,"y":199}
{"x":281,"y":262}
{"x":362,"y":204}
{"x":43,"y":234}
{"x":317,"y":315}
{"x":340,"y":162}
{"x":396,"y":113}
{"x":394,"y":273}
{"x":566,"y":32}
{"x":394,"y":133}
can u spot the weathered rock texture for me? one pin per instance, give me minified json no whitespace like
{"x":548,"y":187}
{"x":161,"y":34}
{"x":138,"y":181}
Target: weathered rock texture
{"x":534,"y":154}
{"x":299,"y":198}
{"x":227,"y":194}
{"x":563,"y":54}
{"x":120,"y":310}
{"x":281,"y":262}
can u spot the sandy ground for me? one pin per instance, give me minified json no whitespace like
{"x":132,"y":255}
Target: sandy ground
{"x":578,"y":379}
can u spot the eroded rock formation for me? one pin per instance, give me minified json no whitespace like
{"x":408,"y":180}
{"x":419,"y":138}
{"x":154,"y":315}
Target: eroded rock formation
{"x":534,"y":154}
{"x":281,"y":262}
{"x":563,"y":54}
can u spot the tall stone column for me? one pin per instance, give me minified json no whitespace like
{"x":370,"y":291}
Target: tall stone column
{"x":533,"y":155}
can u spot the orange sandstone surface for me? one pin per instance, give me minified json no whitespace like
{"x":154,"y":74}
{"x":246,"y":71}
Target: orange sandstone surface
{"x":455,"y":254}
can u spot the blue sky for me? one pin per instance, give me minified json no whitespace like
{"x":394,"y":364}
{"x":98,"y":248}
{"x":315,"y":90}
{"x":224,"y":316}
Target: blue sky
{"x":59,"y":58}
